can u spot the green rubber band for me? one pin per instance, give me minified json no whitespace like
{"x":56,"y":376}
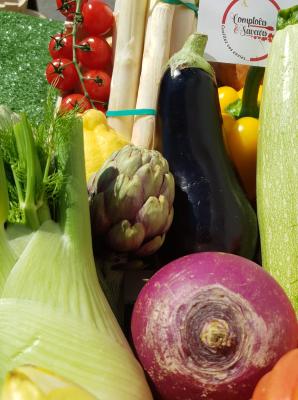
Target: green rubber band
{"x":191,"y":6}
{"x":127,"y":113}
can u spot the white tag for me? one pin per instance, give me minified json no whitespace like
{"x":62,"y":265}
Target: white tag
{"x":239,"y":31}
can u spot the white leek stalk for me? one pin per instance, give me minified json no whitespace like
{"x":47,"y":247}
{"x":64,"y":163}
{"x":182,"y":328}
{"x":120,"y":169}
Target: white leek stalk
{"x":184,"y":24}
{"x":156,"y":55}
{"x":127,"y":62}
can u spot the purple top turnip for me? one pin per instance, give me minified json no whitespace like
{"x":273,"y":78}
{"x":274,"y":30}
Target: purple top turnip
{"x":209,"y":325}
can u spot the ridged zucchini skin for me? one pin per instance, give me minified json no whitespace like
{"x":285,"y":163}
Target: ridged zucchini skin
{"x":211,"y":212}
{"x":277,"y":164}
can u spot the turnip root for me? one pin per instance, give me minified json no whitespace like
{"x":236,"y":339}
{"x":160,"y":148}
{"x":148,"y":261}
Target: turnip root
{"x":210,"y":325}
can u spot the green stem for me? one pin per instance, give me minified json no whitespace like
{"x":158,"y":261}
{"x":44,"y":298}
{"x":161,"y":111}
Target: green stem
{"x":286,"y":17}
{"x":18,"y":186}
{"x":74,"y":203}
{"x":43,"y":208}
{"x":4,"y":200}
{"x":26,"y":149}
{"x":43,"y":211}
{"x":191,"y":55}
{"x":74,"y":55}
{"x":250,"y":107}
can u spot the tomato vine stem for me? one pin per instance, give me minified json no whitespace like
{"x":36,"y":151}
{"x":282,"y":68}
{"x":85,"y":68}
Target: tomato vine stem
{"x":76,"y":21}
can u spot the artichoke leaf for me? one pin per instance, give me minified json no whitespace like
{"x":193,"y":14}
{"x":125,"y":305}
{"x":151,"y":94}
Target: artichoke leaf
{"x":126,"y":237}
{"x":154,"y":215}
{"x":152,"y":246}
{"x":150,"y":184}
{"x":168,"y":188}
{"x":128,"y":160}
{"x":98,"y":214}
{"x":123,"y":198}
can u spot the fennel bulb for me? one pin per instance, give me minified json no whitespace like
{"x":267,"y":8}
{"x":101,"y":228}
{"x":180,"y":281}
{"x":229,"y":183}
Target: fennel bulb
{"x":53,"y":312}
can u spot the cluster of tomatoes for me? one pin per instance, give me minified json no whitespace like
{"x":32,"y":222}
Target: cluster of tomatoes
{"x":83,"y":74}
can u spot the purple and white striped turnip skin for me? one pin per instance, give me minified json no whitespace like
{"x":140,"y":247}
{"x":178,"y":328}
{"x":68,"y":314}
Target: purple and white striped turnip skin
{"x":209,"y":325}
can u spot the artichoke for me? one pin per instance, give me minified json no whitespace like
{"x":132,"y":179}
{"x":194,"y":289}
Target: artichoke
{"x":131,"y":201}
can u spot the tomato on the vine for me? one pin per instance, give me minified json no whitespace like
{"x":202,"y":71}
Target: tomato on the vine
{"x":60,"y":46}
{"x":94,"y":52}
{"x":97,"y":84}
{"x":67,"y":7}
{"x":98,"y":17}
{"x":75,"y":101}
{"x":100,"y":106}
{"x":62,"y":74}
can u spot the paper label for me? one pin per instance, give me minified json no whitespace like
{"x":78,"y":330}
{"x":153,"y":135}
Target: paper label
{"x":239,"y":31}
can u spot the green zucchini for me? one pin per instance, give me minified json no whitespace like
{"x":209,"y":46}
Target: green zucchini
{"x":277,"y":165}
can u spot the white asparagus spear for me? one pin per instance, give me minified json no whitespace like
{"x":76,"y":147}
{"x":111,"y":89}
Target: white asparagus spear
{"x":184,"y":24}
{"x":117,"y":6}
{"x":127,"y":63}
{"x":156,"y":55}
{"x":116,"y":16}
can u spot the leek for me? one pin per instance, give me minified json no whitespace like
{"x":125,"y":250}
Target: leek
{"x":53,"y":312}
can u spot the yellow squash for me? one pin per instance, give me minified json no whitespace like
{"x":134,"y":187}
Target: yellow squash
{"x":100,"y":141}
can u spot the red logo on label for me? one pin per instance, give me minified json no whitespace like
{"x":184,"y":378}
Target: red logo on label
{"x":249,"y":26}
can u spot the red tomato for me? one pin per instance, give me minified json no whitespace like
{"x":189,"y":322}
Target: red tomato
{"x":100,"y":106}
{"x":67,"y":7}
{"x":81,"y":32}
{"x":94,"y":53}
{"x":97,"y":84}
{"x":98,"y":17}
{"x":60,"y":46}
{"x":62,"y":74}
{"x":75,"y":100}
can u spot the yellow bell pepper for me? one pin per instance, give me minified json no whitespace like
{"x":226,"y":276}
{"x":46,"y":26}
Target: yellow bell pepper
{"x":227,"y":95}
{"x":241,"y":131}
{"x":100,"y":141}
{"x":30,"y":383}
{"x":242,"y":141}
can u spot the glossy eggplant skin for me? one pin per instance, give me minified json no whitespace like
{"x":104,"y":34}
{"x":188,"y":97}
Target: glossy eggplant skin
{"x":211,"y":211}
